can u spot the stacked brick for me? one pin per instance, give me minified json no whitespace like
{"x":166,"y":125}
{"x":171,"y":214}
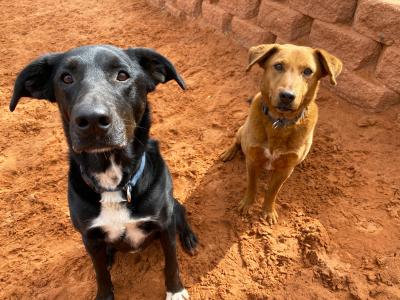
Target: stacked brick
{"x":365,"y":34}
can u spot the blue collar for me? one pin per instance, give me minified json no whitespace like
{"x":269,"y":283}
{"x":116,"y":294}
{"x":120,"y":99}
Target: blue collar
{"x":135,"y":178}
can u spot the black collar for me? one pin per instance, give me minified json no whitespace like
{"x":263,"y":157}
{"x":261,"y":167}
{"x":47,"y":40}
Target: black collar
{"x":281,"y":122}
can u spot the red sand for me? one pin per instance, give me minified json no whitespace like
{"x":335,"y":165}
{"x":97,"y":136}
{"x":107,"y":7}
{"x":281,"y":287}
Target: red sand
{"x":338,"y":233}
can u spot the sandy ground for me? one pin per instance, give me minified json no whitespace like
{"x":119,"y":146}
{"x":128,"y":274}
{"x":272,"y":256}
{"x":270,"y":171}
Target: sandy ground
{"x":338,"y":233}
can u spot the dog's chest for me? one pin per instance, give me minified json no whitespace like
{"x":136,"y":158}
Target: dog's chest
{"x":279,"y":159}
{"x":116,"y":221}
{"x":271,"y":157}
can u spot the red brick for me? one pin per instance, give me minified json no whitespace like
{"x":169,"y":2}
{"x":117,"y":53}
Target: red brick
{"x":216,"y":16}
{"x":156,"y":3}
{"x":249,"y":34}
{"x":379,"y":19}
{"x":283,"y":21}
{"x":354,"y":49}
{"x":190,"y":7}
{"x":329,"y":11}
{"x":388,"y":69}
{"x":302,"y":41}
{"x":362,"y":92}
{"x":244,"y":9}
{"x":172,"y":10}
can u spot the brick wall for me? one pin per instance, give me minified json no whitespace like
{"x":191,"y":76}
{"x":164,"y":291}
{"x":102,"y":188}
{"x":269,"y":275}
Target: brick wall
{"x":365,"y":34}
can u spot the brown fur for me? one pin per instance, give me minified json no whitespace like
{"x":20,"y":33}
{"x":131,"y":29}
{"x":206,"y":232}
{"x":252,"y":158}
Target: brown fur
{"x":280,"y":149}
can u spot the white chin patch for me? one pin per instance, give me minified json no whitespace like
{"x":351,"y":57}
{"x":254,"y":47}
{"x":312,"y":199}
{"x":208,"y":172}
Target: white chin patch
{"x":181,"y":295}
{"x":111,"y":177}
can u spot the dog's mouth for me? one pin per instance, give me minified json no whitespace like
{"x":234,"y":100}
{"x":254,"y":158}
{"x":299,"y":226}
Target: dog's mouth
{"x":97,"y":149}
{"x":283,"y":109}
{"x":95,"y":144}
{"x":100,"y":150}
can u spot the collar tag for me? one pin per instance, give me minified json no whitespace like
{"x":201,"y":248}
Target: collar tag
{"x":131,"y":183}
{"x":128,"y":193}
{"x":279,"y":123}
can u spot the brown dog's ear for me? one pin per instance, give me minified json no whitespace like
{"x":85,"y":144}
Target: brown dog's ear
{"x":258,"y":54}
{"x":331,"y":65}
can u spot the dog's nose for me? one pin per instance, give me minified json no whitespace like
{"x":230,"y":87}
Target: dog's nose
{"x":286,"y":97}
{"x":90,"y":118}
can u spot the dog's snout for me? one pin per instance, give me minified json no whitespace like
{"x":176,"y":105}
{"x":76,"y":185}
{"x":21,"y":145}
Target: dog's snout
{"x":286,"y":97}
{"x":91,"y":118}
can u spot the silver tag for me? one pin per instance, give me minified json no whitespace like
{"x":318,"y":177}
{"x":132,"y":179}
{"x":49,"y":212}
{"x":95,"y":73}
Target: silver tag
{"x":128,"y":193}
{"x":276,"y":124}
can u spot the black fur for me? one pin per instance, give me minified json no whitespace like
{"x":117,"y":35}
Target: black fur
{"x":126,"y":143}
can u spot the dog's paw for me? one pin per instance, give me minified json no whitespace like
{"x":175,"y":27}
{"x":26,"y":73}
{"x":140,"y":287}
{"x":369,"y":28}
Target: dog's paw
{"x":181,"y":295}
{"x":271,"y":216}
{"x":244,"y":206}
{"x":229,"y":154}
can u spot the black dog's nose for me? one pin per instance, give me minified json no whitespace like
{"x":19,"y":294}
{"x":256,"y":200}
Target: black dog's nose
{"x":286,"y":97}
{"x":92,"y":119}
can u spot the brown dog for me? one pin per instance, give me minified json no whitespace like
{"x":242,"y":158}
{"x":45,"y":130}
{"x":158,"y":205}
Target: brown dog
{"x":278,"y":132}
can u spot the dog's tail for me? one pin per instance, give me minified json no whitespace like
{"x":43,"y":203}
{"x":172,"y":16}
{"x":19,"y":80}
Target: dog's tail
{"x":186,"y":235}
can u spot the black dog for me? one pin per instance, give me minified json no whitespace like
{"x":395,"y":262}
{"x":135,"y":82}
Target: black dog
{"x":119,"y":187}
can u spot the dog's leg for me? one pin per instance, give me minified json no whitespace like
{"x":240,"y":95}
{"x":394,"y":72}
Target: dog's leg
{"x":278,"y":178}
{"x":175,"y":289}
{"x":98,"y":253}
{"x":230,"y":153}
{"x":253,"y":171}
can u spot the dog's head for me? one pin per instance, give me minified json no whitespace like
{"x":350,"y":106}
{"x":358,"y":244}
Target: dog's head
{"x":101,"y":91}
{"x":292,"y":74}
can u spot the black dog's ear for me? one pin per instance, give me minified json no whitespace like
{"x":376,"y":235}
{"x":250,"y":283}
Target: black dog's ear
{"x":159,"y":68}
{"x":35,"y":80}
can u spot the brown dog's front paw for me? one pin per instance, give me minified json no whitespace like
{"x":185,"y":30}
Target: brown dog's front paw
{"x":244,"y":206}
{"x":271,"y":216}
{"x":229,"y":154}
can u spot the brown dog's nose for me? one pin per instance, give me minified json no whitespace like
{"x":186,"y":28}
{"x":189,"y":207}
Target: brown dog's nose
{"x":89,"y":119}
{"x":287,"y":97}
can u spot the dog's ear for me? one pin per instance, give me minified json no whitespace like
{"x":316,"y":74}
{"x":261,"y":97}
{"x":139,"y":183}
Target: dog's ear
{"x":258,"y":54}
{"x":35,"y":80}
{"x":158,"y":67}
{"x":330,"y":65}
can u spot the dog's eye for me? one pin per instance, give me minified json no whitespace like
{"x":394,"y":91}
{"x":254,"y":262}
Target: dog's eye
{"x":278,"y":67}
{"x":307,"y":71}
{"x":67,"y":78}
{"x":122,"y":76}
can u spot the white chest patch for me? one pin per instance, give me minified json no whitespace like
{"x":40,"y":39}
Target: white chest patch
{"x":111,"y":177}
{"x":270,"y":158}
{"x":115,"y":220}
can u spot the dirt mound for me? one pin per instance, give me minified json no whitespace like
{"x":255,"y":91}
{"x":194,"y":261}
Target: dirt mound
{"x":338,"y":233}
